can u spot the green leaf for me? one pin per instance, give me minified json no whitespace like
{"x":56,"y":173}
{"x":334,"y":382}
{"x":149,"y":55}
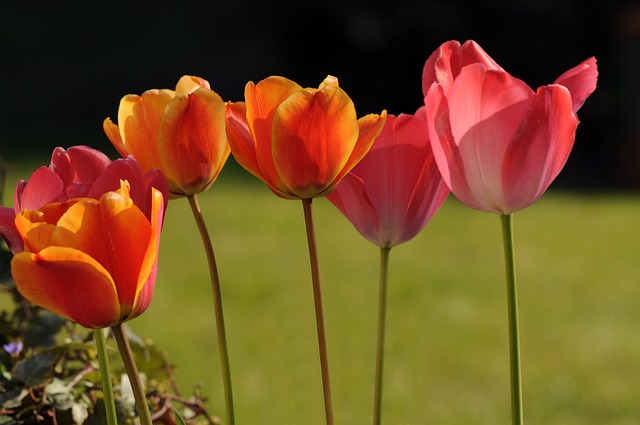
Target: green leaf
{"x":42,"y":329}
{"x":13,"y":399}
{"x":36,"y":370}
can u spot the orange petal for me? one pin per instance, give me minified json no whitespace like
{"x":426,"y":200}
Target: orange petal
{"x":148,"y":268}
{"x":68,"y":282}
{"x":262,"y":100}
{"x":314,"y":134}
{"x":188,"y":84}
{"x":126,"y":235}
{"x":113,"y":133}
{"x":243,"y":147}
{"x":192,"y":141}
{"x":370,"y":127}
{"x":138,"y":120}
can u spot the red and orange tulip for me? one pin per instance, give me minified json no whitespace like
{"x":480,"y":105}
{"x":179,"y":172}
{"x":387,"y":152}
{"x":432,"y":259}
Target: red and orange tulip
{"x":91,"y":261}
{"x":395,"y":190}
{"x":300,"y":141}
{"x":180,"y":132}
{"x":77,"y":172}
{"x":497,"y":143}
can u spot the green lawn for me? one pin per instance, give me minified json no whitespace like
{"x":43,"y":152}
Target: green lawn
{"x":447,"y":352}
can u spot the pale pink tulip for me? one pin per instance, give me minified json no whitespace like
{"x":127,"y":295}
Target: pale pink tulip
{"x":498,"y":144}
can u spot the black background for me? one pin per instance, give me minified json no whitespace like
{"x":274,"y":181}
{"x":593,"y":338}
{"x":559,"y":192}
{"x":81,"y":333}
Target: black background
{"x":65,"y":65}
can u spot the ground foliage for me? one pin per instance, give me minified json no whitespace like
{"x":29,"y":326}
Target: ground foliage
{"x":49,"y":371}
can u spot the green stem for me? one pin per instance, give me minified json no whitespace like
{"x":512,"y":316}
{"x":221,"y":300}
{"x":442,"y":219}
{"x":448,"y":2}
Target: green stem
{"x":105,"y":374}
{"x":514,"y":338}
{"x":317,"y":298}
{"x":217,"y":306}
{"x":382,"y":313}
{"x":132,"y":372}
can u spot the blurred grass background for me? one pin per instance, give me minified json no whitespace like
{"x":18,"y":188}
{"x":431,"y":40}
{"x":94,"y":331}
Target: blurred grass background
{"x":447,"y":352}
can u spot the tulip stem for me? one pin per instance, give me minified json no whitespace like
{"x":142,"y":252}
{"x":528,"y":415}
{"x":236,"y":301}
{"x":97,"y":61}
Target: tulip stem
{"x":217,"y":306}
{"x":105,"y":375}
{"x":514,"y":338}
{"x":382,"y":313}
{"x":317,"y":298}
{"x":132,"y":372}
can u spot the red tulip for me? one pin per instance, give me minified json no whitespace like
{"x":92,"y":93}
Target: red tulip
{"x":78,"y":172}
{"x":180,"y":132}
{"x":300,"y":142}
{"x":498,"y":144}
{"x":395,"y":190}
{"x":91,"y":261}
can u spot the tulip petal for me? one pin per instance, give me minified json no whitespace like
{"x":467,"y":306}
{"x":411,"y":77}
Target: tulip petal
{"x":188,"y":84}
{"x":149,"y":266}
{"x":445,"y":150}
{"x":370,"y":127}
{"x":78,"y":165}
{"x":8,"y":230}
{"x":138,"y":120}
{"x":352,"y":200}
{"x":128,"y":235}
{"x":581,"y":81}
{"x":540,"y":149}
{"x":314,"y":134}
{"x":43,"y":187}
{"x":446,"y":63}
{"x":261,"y":102}
{"x":243,"y":146}
{"x":192,"y":142}
{"x":486,"y":108}
{"x":68,"y":282}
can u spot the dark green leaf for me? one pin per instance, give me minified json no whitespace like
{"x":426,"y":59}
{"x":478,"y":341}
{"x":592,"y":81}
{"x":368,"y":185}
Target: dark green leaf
{"x":36,"y":370}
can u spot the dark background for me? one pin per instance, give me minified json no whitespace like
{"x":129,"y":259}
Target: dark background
{"x":65,"y":65}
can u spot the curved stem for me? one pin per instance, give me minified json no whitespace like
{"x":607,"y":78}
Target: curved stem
{"x":132,"y":372}
{"x":382,"y":313}
{"x":105,"y":375}
{"x":217,"y":306}
{"x":317,"y":298}
{"x":514,"y":338}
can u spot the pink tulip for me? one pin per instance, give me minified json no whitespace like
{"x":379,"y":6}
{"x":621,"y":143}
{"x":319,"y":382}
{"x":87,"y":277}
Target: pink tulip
{"x":78,"y":172}
{"x":396,"y":189}
{"x":498,"y":144}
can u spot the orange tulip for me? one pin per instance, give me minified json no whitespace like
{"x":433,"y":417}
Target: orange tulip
{"x":300,"y":142}
{"x":180,"y":132}
{"x":91,"y":261}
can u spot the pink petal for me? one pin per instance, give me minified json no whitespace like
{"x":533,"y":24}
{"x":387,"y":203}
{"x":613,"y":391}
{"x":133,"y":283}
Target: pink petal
{"x":78,"y":164}
{"x":351,"y":199}
{"x":446,"y":63}
{"x":581,"y":81}
{"x":8,"y":230}
{"x":43,"y":187}
{"x":540,"y":148}
{"x":486,"y":108}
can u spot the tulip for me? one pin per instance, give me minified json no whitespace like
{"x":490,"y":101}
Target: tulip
{"x":396,"y":189}
{"x":180,"y":132}
{"x":389,"y":197}
{"x":300,"y":142}
{"x":91,"y":261}
{"x":79,"y":171}
{"x":498,"y":144}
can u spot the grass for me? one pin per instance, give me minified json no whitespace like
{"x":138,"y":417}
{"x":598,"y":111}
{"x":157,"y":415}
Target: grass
{"x":447,"y":352}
